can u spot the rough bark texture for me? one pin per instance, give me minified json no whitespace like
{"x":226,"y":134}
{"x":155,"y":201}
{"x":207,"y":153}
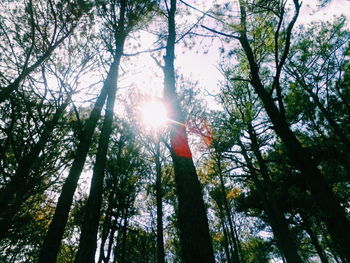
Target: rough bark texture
{"x":52,"y":242}
{"x":332,"y":213}
{"x":193,"y":223}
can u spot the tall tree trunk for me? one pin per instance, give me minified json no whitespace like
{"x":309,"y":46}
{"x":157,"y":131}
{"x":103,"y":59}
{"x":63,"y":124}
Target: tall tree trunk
{"x":331,"y":211}
{"x":120,"y":257}
{"x":337,"y":258}
{"x":236,"y":254}
{"x":52,"y":241}
{"x":15,"y":192}
{"x":110,"y":243}
{"x":226,"y":238}
{"x":277,"y":220}
{"x":159,"y":197}
{"x":193,"y":223}
{"x":107,"y":225}
{"x":88,"y":237}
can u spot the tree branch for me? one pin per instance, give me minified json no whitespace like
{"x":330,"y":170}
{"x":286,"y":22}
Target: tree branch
{"x":220,"y":33}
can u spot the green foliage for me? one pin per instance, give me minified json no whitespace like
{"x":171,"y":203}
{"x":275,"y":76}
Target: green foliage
{"x":257,"y":250}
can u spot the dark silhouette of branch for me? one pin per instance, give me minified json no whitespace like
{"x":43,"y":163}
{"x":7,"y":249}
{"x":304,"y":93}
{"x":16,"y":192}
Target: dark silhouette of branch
{"x":220,"y":33}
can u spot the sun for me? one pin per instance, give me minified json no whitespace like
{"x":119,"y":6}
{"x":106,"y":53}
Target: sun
{"x":154,"y":113}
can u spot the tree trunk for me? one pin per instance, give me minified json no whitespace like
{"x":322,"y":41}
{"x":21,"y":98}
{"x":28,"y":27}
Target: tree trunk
{"x":314,"y":239}
{"x":107,"y":224}
{"x":110,"y":243}
{"x":159,"y":197}
{"x":331,"y":211}
{"x":226,"y":238}
{"x":236,"y":254}
{"x":193,"y":223}
{"x":337,"y":258}
{"x":51,"y":244}
{"x":88,"y":237}
{"x":120,"y":258}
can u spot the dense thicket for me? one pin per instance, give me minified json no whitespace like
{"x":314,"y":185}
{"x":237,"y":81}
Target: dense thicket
{"x":261,"y":176}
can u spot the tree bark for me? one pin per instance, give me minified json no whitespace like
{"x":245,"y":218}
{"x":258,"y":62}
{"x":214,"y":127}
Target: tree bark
{"x":193,"y":223}
{"x":120,"y":257}
{"x":332,"y":212}
{"x":52,"y":241}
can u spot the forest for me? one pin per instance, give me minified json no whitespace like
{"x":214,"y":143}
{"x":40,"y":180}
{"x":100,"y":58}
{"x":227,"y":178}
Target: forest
{"x":100,"y":164}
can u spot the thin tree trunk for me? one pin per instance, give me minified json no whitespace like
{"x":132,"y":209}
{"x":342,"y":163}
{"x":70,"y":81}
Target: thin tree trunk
{"x":226,"y":236}
{"x":110,"y":243}
{"x":120,"y":258}
{"x":226,"y":239}
{"x":331,"y":211}
{"x":52,"y":241}
{"x":106,"y":226}
{"x":159,"y":197}
{"x":193,"y":223}
{"x":314,"y":239}
{"x":337,"y":258}
{"x":236,"y":255}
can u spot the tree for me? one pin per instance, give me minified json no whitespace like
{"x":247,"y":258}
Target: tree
{"x":194,"y":230}
{"x":332,"y":213}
